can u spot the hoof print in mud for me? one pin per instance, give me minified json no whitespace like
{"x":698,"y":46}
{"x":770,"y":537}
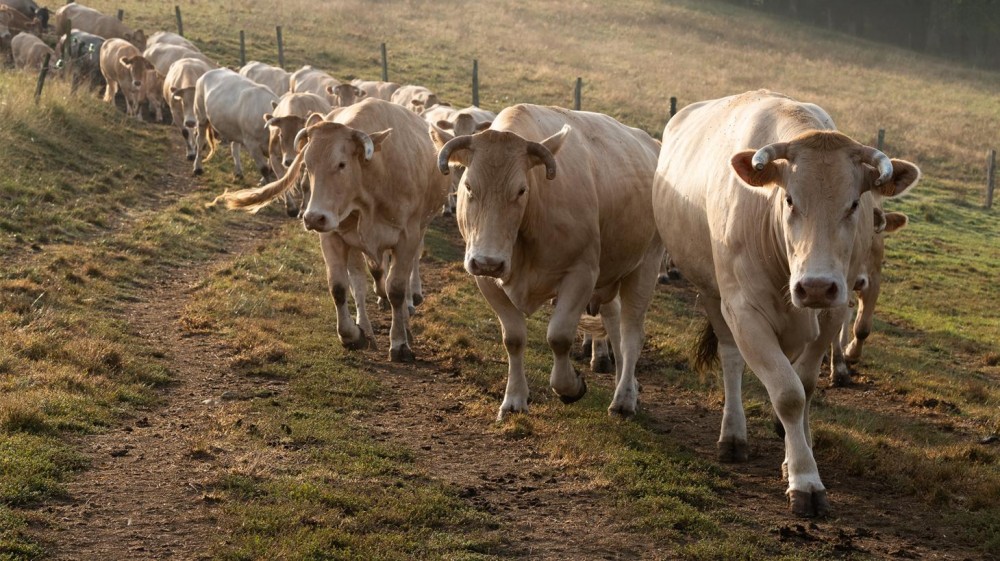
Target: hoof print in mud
{"x":402,"y":354}
{"x":733,"y":451}
{"x":567,"y":399}
{"x":808,"y":505}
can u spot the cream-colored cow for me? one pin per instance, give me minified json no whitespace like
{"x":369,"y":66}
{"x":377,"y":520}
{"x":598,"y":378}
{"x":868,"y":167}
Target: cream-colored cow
{"x":759,"y":200}
{"x":178,"y":90}
{"x":125,"y":69}
{"x":284,"y":123}
{"x":271,"y":76}
{"x":92,"y":21}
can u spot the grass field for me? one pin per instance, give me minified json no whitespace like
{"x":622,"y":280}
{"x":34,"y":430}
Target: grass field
{"x":91,"y":215}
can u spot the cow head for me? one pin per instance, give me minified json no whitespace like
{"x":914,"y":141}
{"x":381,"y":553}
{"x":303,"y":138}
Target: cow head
{"x":819,"y":178}
{"x":138,"y":69}
{"x":335,"y":158}
{"x":494,"y":191}
{"x":185,"y":97}
{"x":137,"y":38}
{"x":42,"y":15}
{"x":344,"y":95}
{"x":282,"y":132}
{"x":464,"y":124}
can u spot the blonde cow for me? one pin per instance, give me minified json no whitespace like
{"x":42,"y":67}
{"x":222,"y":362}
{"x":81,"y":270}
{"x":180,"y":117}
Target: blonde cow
{"x":92,"y":21}
{"x":376,"y":89}
{"x":460,"y":122}
{"x":554,"y":203}
{"x":283,"y":124}
{"x":375,"y":189}
{"x":178,"y":90}
{"x":759,"y":200}
{"x":29,"y":52}
{"x":125,"y":69}
{"x":271,"y":76}
{"x":415,"y":98}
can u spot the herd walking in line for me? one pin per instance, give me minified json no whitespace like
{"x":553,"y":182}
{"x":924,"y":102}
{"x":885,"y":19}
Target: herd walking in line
{"x":773,"y":215}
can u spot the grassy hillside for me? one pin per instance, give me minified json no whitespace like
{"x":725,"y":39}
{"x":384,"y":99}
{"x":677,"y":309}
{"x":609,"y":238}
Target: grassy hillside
{"x":91,"y":212}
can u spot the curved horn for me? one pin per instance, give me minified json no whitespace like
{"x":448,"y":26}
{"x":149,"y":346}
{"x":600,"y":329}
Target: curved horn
{"x":769,"y":153}
{"x":301,"y":139}
{"x":542,"y":153}
{"x":879,"y":161}
{"x":457,"y":143}
{"x":365,"y":141}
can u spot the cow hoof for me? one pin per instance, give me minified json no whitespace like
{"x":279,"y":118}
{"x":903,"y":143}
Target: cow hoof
{"x":358,"y":344}
{"x":841,"y":378}
{"x":674,"y":274}
{"x":663,"y":279}
{"x":732,"y":451}
{"x":411,"y":310}
{"x":602,"y":365}
{"x":809,"y":505}
{"x":621,"y":411}
{"x":586,"y":350}
{"x":190,"y":157}
{"x":567,"y":399}
{"x":383,"y":303}
{"x":402,"y":354}
{"x":509,"y":409}
{"x":198,"y":171}
{"x":418,"y":299}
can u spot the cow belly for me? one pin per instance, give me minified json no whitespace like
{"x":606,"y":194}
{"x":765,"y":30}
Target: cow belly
{"x":684,"y":231}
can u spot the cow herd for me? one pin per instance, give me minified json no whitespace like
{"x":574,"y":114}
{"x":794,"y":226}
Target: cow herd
{"x":773,"y":215}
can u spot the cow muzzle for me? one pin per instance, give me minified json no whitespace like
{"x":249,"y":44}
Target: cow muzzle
{"x":818,"y":292}
{"x":137,"y":83}
{"x":482,"y":266}
{"x":287,"y":162}
{"x":189,"y":123}
{"x":317,"y":221}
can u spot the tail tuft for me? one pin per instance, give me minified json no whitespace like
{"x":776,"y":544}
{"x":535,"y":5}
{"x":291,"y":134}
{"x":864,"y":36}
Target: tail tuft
{"x":706,"y":350}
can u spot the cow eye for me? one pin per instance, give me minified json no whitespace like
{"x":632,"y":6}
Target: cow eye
{"x":788,"y":201}
{"x":854,"y":205}
{"x":522,"y":191}
{"x":342,"y":165}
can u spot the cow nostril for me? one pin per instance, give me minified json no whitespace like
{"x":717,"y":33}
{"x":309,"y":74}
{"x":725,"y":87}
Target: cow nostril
{"x":800,"y":291}
{"x":189,"y":124}
{"x":831,"y":291}
{"x":287,"y":162}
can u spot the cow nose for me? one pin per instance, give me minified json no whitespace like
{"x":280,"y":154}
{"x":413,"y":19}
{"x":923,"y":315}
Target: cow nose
{"x":861,"y":283}
{"x":287,"y":162}
{"x":816,"y":292}
{"x":318,"y":221}
{"x":189,"y":123}
{"x":136,"y":83}
{"x":485,"y":266}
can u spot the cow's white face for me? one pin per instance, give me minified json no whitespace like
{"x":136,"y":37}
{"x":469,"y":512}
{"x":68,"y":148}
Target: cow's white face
{"x":282,"y":131}
{"x":335,"y":158}
{"x":494,"y":193}
{"x":139,"y":70}
{"x":822,"y":177}
{"x":185,"y":97}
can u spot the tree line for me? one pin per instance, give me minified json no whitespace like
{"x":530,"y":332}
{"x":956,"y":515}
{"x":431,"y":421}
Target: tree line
{"x":966,"y":30}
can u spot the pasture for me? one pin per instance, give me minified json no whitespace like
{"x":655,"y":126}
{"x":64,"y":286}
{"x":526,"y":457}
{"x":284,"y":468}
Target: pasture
{"x":171,"y":385}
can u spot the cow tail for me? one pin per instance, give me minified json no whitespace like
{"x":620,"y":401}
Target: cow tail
{"x":212,"y":142}
{"x":706,"y":350}
{"x":593,"y":325}
{"x":252,"y":200}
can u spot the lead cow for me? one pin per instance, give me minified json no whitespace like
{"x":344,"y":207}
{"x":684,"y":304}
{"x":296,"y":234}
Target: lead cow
{"x":555,"y":204}
{"x":375,"y":190}
{"x":759,"y":199}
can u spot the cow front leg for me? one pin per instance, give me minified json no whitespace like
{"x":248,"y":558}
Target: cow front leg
{"x":335,"y":253}
{"x":234,"y":147}
{"x":397,"y":283}
{"x":188,"y":135}
{"x":515,"y":337}
{"x":571,"y":300}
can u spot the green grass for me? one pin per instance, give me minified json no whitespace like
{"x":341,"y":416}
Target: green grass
{"x":86,"y":223}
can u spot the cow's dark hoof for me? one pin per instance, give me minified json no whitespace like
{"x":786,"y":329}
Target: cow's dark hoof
{"x":190,"y":157}
{"x":733,"y":451}
{"x":602,"y":365}
{"x":418,"y":299}
{"x":809,"y":505}
{"x":292,"y":212}
{"x":402,"y":354}
{"x":198,"y":171}
{"x":663,"y":279}
{"x":567,"y":399}
{"x":841,"y":378}
{"x":674,"y":274}
{"x":358,"y":344}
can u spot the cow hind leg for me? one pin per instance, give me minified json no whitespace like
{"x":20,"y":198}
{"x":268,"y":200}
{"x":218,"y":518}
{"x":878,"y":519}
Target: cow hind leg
{"x":515,"y":338}
{"x":237,"y":161}
{"x":357,"y":272}
{"x":600,"y":359}
{"x":416,"y":291}
{"x":201,"y":144}
{"x":397,"y":284}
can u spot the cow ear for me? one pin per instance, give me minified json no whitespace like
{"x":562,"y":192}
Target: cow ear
{"x":879,"y":216}
{"x":439,"y":136}
{"x":895,"y":221}
{"x":274,"y":104}
{"x":379,"y":137}
{"x":555,"y":142}
{"x":329,"y":90}
{"x":483,"y":126}
{"x":314,"y":118}
{"x":268,"y":117}
{"x":358,"y":92}
{"x":416,"y":103}
{"x":904,"y":176}
{"x":770,"y":176}
{"x":445,"y":124}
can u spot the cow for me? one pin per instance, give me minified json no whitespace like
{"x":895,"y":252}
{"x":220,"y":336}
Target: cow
{"x":178,"y":90}
{"x":124,"y":68}
{"x":343,"y":95}
{"x":169,"y":38}
{"x":415,"y":98}
{"x":162,"y":55}
{"x":231,"y":106}
{"x":81,"y":51}
{"x":27,"y":8}
{"x":284,"y":123}
{"x":554,"y":203}
{"x":462,"y":122}
{"x":375,"y":190}
{"x":271,"y":76}
{"x":311,"y":80}
{"x":81,"y":17}
{"x":867,"y":284}
{"x":758,"y":200}
{"x":29,"y":52}
{"x":13,"y":22}
{"x":376,"y":89}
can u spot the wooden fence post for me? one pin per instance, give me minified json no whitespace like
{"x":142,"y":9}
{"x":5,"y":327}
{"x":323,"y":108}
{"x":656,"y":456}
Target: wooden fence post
{"x":991,"y":164}
{"x":281,"y":48}
{"x":121,"y":14}
{"x":41,"y":77}
{"x":577,"y":94}
{"x":180,"y":22}
{"x":385,"y":64}
{"x":475,"y":82}
{"x":243,"y":49}
{"x":673,"y":107}
{"x":881,"y":139}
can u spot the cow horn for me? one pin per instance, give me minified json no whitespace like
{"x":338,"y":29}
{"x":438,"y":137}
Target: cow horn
{"x":881,"y":162}
{"x":302,"y":137}
{"x":542,"y":153}
{"x":769,"y":153}
{"x":365,"y":141}
{"x":457,"y":143}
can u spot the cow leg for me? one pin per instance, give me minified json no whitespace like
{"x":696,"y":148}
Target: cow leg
{"x":415,"y":294}
{"x":357,"y":271}
{"x":635,"y":293}
{"x":397,"y":282}
{"x":201,"y":143}
{"x":572,"y":299}
{"x":611,"y":314}
{"x":189,"y":135}
{"x":260,"y":159}
{"x":732,"y":445}
{"x":840,"y":373}
{"x":865,"y":319}
{"x":335,"y":253}
{"x":515,"y":338}
{"x":600,"y":355}
{"x":237,"y":161}
{"x":762,"y":351}
{"x":809,"y":364}
{"x":111,"y":90}
{"x":378,"y":276}
{"x":586,"y":347}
